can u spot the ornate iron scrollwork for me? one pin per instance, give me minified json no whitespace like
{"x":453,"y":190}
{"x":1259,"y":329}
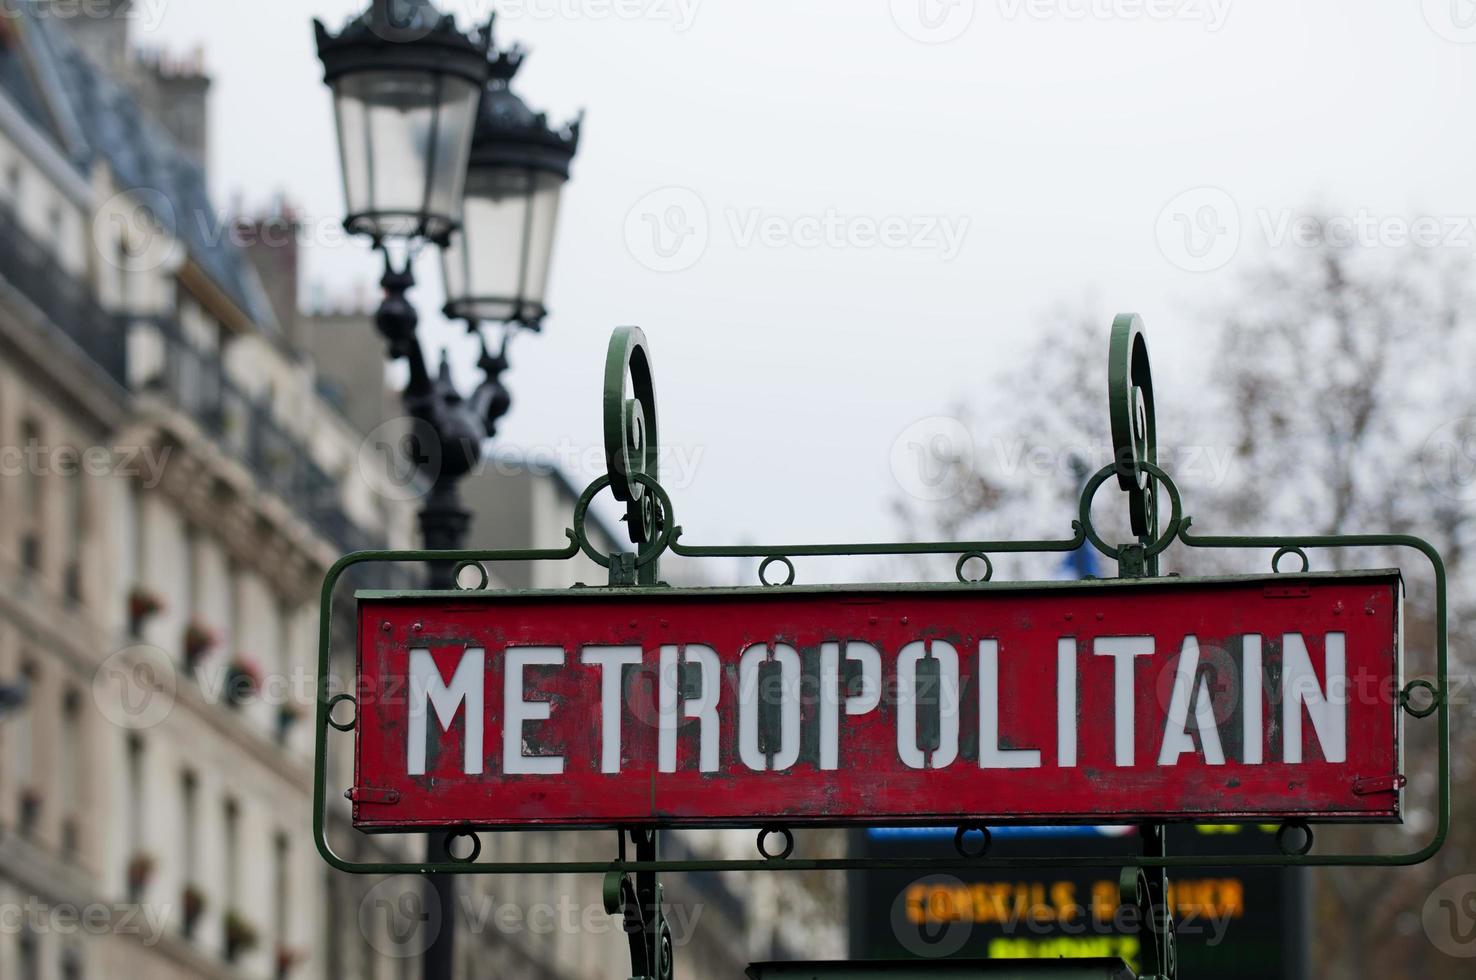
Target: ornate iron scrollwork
{"x":632,"y":444}
{"x":1134,"y":423}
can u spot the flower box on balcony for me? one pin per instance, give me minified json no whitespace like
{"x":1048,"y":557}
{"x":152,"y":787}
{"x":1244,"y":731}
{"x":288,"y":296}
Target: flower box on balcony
{"x":199,"y":640}
{"x":243,"y":681}
{"x":240,"y":935}
{"x":287,"y":960}
{"x":140,"y":872}
{"x":142,"y":603}
{"x":194,"y":903}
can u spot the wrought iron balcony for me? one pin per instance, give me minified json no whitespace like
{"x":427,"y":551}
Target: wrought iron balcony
{"x":32,"y":268}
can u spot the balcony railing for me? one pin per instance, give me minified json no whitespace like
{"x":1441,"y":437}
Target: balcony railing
{"x":190,"y":379}
{"x":33,"y":269}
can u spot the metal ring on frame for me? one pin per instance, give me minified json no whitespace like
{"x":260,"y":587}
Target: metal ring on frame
{"x":334,"y":702}
{"x":646,"y":555}
{"x":1165,"y":538}
{"x":963,"y":559}
{"x":763,"y":839}
{"x":455,"y":835}
{"x":963,"y":831}
{"x":1282,"y":836}
{"x":764,"y":567}
{"x":1290,"y":550}
{"x":1406,"y":699}
{"x":470,"y":563}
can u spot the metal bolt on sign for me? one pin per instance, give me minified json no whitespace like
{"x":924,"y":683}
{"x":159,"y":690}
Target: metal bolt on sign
{"x":716,"y":738}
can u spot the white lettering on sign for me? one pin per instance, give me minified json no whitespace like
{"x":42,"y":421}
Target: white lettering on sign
{"x":946,"y":697}
{"x":1328,"y":709}
{"x":612,"y":661}
{"x":465,"y":689}
{"x":1190,"y":726}
{"x":1252,"y":738}
{"x":991,"y":756}
{"x":750,"y":694}
{"x":1066,"y":702}
{"x":1187,"y":685}
{"x":1123,"y":649}
{"x":868,"y":659}
{"x":704,"y":707}
{"x":517,"y":712}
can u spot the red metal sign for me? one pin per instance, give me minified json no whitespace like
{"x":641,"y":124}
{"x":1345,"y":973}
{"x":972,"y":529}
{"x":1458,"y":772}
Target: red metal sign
{"x":1251,"y":698}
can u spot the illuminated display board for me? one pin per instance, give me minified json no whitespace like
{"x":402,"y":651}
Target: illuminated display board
{"x":1231,"y":922}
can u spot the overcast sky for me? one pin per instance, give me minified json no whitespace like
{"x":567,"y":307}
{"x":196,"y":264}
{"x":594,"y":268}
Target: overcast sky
{"x":835,"y":219}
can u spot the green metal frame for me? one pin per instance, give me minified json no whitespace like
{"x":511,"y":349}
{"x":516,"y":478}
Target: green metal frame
{"x":654,"y":532}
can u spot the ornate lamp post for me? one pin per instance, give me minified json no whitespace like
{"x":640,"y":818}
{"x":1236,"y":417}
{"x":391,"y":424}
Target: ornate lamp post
{"x":416,"y":102}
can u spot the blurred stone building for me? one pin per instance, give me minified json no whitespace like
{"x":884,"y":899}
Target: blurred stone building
{"x":179,"y":470}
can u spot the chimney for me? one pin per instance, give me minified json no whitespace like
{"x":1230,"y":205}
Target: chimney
{"x":100,"y":29}
{"x":270,"y":242}
{"x":175,"y":90}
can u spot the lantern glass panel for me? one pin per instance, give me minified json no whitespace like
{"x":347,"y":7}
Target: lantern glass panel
{"x":497,"y":267}
{"x":404,"y":138}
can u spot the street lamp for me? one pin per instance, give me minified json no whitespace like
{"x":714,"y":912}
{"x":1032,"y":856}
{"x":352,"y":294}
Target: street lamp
{"x":496,"y":267}
{"x":410,"y":93}
{"x":406,"y":85}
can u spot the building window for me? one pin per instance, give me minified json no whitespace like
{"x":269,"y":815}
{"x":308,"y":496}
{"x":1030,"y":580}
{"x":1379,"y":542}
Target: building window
{"x":283,"y":952}
{"x":193,"y":899}
{"x":282,"y":689}
{"x":190,"y":604}
{"x":140,"y":863}
{"x":32,"y":511}
{"x":69,"y":773}
{"x":29,"y":955}
{"x":71,"y":963}
{"x":134,"y":536}
{"x":240,"y":932}
{"x":23,"y":731}
{"x":75,"y":526}
{"x":233,"y":608}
